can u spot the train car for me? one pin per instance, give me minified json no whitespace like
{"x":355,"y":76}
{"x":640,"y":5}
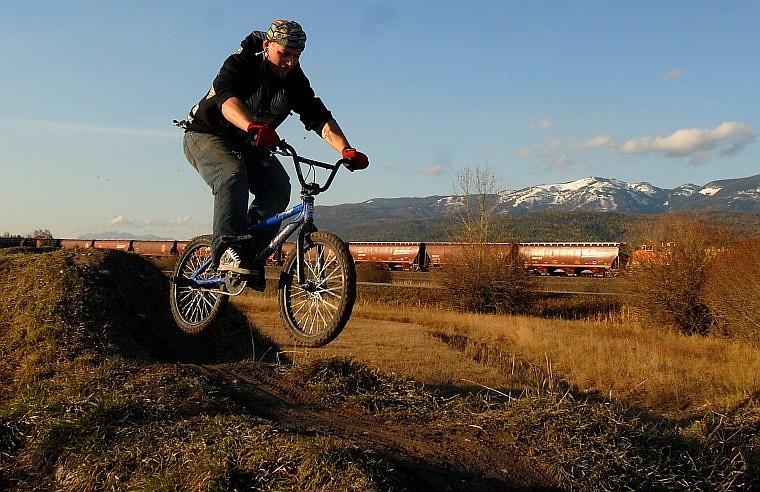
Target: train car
{"x":121,"y":244}
{"x":395,"y":256}
{"x":76,"y":243}
{"x":442,"y":254}
{"x":179,"y":247}
{"x":44,"y":243}
{"x":11,"y":242}
{"x":571,"y":259}
{"x":154,"y":248}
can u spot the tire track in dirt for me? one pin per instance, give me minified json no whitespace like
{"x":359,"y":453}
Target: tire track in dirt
{"x":433,"y":456}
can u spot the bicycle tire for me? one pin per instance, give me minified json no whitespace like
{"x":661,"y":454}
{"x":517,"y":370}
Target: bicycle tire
{"x":194,"y":309}
{"x":316,"y":312}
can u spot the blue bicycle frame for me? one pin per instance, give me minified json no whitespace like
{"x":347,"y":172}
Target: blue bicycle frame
{"x":303,"y":213}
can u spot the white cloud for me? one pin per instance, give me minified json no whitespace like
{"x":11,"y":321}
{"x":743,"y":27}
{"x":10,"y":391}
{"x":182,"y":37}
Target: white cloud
{"x":523,"y":153}
{"x":396,"y":170}
{"x":559,"y":163}
{"x":542,"y":124}
{"x":700,"y":145}
{"x":598,"y":142}
{"x":434,"y":170}
{"x":673,"y":73}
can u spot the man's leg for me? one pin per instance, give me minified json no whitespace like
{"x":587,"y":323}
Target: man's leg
{"x":221,"y":165}
{"x":269,"y":183}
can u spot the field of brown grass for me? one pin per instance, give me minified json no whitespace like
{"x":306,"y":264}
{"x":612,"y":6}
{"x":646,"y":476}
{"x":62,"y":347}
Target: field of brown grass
{"x":101,"y":391}
{"x":674,"y":375}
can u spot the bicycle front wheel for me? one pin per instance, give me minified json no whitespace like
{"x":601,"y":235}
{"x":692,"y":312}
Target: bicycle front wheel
{"x":316,"y":311}
{"x":194,"y":308}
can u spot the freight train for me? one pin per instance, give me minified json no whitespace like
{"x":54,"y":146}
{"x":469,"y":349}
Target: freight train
{"x":596,"y":259}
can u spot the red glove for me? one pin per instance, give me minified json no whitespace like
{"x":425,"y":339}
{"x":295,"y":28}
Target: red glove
{"x":356,"y":159}
{"x":263,"y":136}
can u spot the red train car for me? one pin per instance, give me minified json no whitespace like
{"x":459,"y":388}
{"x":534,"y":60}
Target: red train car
{"x":179,"y":247}
{"x":572,"y":259}
{"x":442,"y":254}
{"x":278,"y":257}
{"x":154,"y":248}
{"x":76,"y":243}
{"x":122,"y":244}
{"x":395,"y":256}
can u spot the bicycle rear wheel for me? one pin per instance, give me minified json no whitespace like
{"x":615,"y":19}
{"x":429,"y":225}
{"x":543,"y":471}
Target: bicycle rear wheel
{"x":315,"y":312}
{"x":194,"y":308}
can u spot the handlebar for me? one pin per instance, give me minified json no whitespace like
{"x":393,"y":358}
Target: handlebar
{"x":285,"y":149}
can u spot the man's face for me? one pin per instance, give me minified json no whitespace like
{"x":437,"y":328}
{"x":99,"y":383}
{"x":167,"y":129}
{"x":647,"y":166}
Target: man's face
{"x":280,"y":59}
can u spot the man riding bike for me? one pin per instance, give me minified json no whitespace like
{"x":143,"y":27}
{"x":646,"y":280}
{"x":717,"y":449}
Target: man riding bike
{"x":229,"y":134}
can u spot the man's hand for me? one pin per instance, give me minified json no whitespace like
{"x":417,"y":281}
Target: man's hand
{"x":356,"y":159}
{"x":263,"y":136}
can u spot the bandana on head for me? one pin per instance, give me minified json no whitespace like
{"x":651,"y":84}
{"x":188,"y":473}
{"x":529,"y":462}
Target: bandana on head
{"x":288,"y":34}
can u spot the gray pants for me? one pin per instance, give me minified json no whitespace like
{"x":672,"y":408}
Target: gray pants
{"x":233,"y":170}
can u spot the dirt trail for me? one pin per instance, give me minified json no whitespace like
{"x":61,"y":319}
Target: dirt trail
{"x":437,"y":457}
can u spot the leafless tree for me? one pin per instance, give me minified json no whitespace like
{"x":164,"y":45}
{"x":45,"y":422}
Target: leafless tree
{"x":483,"y":278}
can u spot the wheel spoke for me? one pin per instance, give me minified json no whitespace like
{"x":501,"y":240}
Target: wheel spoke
{"x":317,"y":310}
{"x":194,"y":308}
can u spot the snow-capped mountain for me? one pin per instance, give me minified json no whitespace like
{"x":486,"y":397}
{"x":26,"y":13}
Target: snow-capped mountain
{"x":605,"y":194}
{"x":598,"y":194}
{"x":587,"y":194}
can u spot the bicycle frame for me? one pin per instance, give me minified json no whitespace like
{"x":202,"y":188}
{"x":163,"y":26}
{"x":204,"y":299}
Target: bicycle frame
{"x":303,"y":213}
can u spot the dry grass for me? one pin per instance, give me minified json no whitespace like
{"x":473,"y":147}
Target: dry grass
{"x":663,"y":371}
{"x":605,"y":406}
{"x":595,"y":402}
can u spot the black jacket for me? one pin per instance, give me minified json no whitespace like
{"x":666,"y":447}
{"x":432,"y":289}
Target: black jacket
{"x":269,"y":98}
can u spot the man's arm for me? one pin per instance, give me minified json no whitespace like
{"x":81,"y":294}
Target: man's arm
{"x":333,"y":135}
{"x":234,"y":111}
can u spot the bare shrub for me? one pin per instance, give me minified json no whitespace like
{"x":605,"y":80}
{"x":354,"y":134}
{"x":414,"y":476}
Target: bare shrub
{"x":732,"y":289}
{"x":475,"y":219}
{"x":482,"y":280}
{"x":668,"y":285}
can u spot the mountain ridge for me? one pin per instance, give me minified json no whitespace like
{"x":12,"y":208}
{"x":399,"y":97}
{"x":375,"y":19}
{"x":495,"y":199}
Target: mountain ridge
{"x":593,"y":194}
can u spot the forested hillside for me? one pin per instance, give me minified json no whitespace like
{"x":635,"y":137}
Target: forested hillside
{"x":540,"y":226}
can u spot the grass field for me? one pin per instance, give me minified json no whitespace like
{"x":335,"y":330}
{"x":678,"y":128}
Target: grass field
{"x":99,"y":391}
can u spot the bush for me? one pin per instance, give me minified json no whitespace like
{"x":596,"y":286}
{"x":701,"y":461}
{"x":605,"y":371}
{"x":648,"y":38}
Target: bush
{"x":668,"y":286}
{"x":732,"y":289}
{"x":482,"y":280}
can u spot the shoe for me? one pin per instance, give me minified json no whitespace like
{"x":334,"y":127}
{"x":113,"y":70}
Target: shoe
{"x":232,"y":261}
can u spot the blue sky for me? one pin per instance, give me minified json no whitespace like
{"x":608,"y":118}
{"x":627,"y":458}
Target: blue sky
{"x":537,"y":91}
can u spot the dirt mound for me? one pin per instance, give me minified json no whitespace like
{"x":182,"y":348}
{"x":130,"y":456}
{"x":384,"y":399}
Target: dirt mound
{"x":65,"y":304}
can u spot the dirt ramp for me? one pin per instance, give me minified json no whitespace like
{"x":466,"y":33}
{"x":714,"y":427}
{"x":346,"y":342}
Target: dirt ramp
{"x":64,"y":304}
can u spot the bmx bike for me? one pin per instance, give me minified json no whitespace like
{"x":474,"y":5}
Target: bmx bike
{"x":317,"y":283}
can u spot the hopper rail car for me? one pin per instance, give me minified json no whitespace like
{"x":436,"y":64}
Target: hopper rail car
{"x":598,"y":259}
